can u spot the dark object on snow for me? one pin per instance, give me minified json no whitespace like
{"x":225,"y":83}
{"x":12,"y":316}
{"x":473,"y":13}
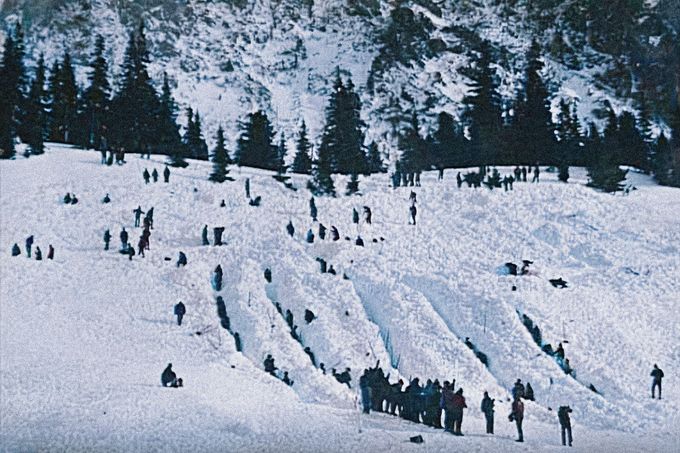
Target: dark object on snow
{"x":657,"y":374}
{"x":222,"y":313}
{"x":331,"y":270}
{"x":168,"y":377}
{"x":312,"y":209}
{"x":525,"y":267}
{"x":529,"y":393}
{"x":182,"y":260}
{"x":268,"y":275}
{"x":38,"y":254}
{"x":565,"y":423}
{"x":106,"y":199}
{"x":344,"y":377}
{"x":309,"y":316}
{"x":16,"y":251}
{"x":310,"y":236}
{"x":592,"y":388}
{"x":289,"y":318}
{"x":335,"y":235}
{"x":217,"y":278}
{"x":223,"y":204}
{"x":286,"y":379}
{"x":413,"y":212}
{"x":309,"y":352}
{"x":269,"y":366}
{"x":154,"y":175}
{"x":217,"y":233}
{"x":488,"y":411}
{"x":558,"y":282}
{"x":368,"y":215}
{"x":359,"y":241}
{"x":204,"y":235}
{"x":514,"y":288}
{"x":247,"y":186}
{"x":180,"y":311}
{"x":237,"y":341}
{"x":417,"y":439}
{"x":146,"y":176}
{"x":355,"y":216}
{"x":123,"y":238}
{"x":322,"y":231}
{"x":29,"y":244}
{"x":322,"y":265}
{"x":256,"y":201}
{"x":512,"y":268}
{"x":290,"y":228}
{"x":166,"y":174}
{"x":74,"y":199}
{"x":50,"y":252}
{"x":130,"y":252}
{"x":67,"y":198}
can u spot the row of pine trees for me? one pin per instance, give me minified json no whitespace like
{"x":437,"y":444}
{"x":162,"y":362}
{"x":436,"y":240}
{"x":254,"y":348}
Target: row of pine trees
{"x":136,"y":117}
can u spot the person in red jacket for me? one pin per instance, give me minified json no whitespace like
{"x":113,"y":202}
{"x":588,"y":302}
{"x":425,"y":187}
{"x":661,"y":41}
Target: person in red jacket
{"x":517,"y":415}
{"x":458,"y":403}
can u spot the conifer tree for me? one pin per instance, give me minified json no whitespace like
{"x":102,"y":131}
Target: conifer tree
{"x":352,"y":184}
{"x":255,"y":147}
{"x":447,"y":147}
{"x":633,"y":148}
{"x":483,"y":111}
{"x":63,"y":93}
{"x":193,"y":138}
{"x":220,"y":159}
{"x":322,"y":181}
{"x":413,"y":158}
{"x":281,"y":152}
{"x":603,"y":169}
{"x":169,"y":140}
{"x":34,"y":122}
{"x":96,"y":98}
{"x":533,"y":125}
{"x":12,"y":87}
{"x":375,"y":163}
{"x":302,"y":163}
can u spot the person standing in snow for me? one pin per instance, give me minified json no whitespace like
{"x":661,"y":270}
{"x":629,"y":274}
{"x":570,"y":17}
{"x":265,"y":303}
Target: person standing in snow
{"x":38,"y":254}
{"x":312,"y":209}
{"x":269,"y":366}
{"x":149,"y":217}
{"x":290,"y":228}
{"x":204,"y":235}
{"x":413,"y":198}
{"x":518,"y":390}
{"x":657,"y":374}
{"x":365,"y":393}
{"x":368,"y":215}
{"x":310,"y":236}
{"x":537,"y":172}
{"x":458,"y":404}
{"x":29,"y":244}
{"x":322,"y":231}
{"x":487,"y":410}
{"x":168,"y":377}
{"x":517,"y":415}
{"x":524,"y":173}
{"x":146,"y":176}
{"x":180,"y":311}
{"x":565,"y":423}
{"x":154,"y":175}
{"x":123,"y":239}
{"x":459,"y":180}
{"x":106,"y":199}
{"x":217,"y":278}
{"x":237,"y":342}
{"x":50,"y":252}
{"x":335,"y":235}
{"x":248,"y":188}
{"x":16,"y":251}
{"x":355,"y":216}
{"x":130,"y":252}
{"x":412,"y":215}
{"x":138,"y":214}
{"x":141,"y":245}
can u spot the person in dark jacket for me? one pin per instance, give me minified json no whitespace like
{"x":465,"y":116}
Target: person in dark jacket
{"x":459,"y":180}
{"x":309,"y":352}
{"x":365,"y":393}
{"x":141,"y":245}
{"x":237,"y":342}
{"x":204,"y":235}
{"x":138,"y":214}
{"x":517,"y":415}
{"x":335,"y":235}
{"x":657,"y":374}
{"x":29,"y":244}
{"x":123,"y":239}
{"x":217,"y":278}
{"x":518,"y":390}
{"x":130,"y":252}
{"x":149,"y":217}
{"x":310,"y":236}
{"x":106,"y":199}
{"x":359,"y":241}
{"x":312,"y":209}
{"x":38,"y":254}
{"x":168,"y":377}
{"x":322,"y":231}
{"x":565,"y":423}
{"x":166,"y":174}
{"x":537,"y":172}
{"x":67,"y":198}
{"x":487,"y":410}
{"x":182,"y":259}
{"x":355,"y":216}
{"x":146,"y":176}
{"x":50,"y":252}
{"x":269,"y":366}
{"x":529,"y":392}
{"x":368,"y":215}
{"x":458,"y":404}
{"x":412,"y":211}
{"x":154,"y":175}
{"x":16,"y":251}
{"x":180,"y":311}
{"x":290,"y":228}
{"x":524,"y":174}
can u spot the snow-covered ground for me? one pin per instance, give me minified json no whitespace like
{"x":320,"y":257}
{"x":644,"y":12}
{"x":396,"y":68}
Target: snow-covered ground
{"x":84,"y":338}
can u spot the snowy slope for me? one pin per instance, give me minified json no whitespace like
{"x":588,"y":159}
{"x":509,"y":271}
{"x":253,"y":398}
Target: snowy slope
{"x":83,"y":338}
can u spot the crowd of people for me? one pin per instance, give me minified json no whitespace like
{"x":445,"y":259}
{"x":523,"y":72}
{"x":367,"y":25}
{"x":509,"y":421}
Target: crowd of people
{"x":37,"y":254}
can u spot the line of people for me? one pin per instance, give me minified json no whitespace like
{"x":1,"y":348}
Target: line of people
{"x":16,"y":251}
{"x":154,"y":174}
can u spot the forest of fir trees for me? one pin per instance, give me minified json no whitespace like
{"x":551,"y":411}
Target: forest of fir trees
{"x":135,"y":117}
